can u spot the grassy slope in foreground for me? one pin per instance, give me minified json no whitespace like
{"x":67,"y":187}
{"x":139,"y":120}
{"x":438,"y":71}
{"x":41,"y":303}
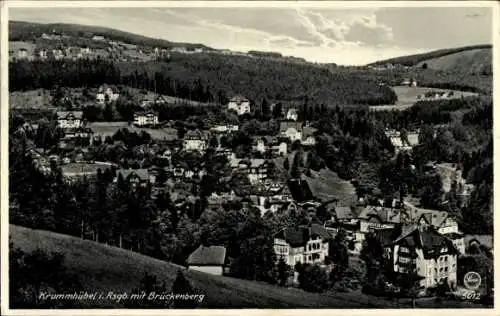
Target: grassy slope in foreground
{"x":104,"y":268}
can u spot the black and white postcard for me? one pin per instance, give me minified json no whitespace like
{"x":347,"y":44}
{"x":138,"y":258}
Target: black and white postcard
{"x":247,"y":155}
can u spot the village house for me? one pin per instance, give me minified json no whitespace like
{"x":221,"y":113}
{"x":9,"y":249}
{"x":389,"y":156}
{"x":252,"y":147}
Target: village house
{"x":304,"y":244}
{"x":401,"y":144}
{"x":428,"y":253}
{"x":195,"y":140}
{"x":291,"y":130}
{"x":144,"y":118}
{"x":441,"y":221}
{"x":292,"y":114}
{"x":409,"y":82}
{"x":81,"y":136}
{"x":239,"y":104}
{"x":98,"y":38}
{"x":107,"y":94}
{"x":274,"y":145}
{"x":70,"y":119}
{"x":225,"y":129}
{"x":22,"y":53}
{"x":135,"y":177}
{"x":211,"y":259}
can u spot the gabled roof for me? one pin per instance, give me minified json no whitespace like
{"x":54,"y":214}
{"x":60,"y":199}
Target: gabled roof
{"x":239,"y":99}
{"x":384,"y":214}
{"x":207,"y":256}
{"x":299,"y":236}
{"x":429,"y":240}
{"x":61,"y":115}
{"x":104,"y":87}
{"x":433,"y":217}
{"x":196,"y":134}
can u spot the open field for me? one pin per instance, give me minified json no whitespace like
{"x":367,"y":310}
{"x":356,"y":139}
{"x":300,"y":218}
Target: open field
{"x":33,"y":99}
{"x":120,"y":270}
{"x":81,"y":168}
{"x":110,"y":128}
{"x":327,"y":185}
{"x":408,"y":96}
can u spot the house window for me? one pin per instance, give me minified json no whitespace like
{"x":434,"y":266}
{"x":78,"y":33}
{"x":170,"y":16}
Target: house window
{"x":445,"y":258}
{"x":446,"y":269}
{"x":310,"y":258}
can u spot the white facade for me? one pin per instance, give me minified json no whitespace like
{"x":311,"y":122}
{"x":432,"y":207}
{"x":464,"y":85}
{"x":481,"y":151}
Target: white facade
{"x":194,"y":144}
{"x":146,"y":119}
{"x":314,"y":251}
{"x":109,"y":94}
{"x":69,"y":122}
{"x":240,"y":105}
{"x":215,"y":270}
{"x":293,"y":134}
{"x":433,"y":270}
{"x":292,"y":114}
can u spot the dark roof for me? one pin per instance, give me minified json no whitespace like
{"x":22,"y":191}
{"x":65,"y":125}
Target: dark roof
{"x":388,"y":235}
{"x":207,"y":256}
{"x":428,"y":239}
{"x":196,"y":134}
{"x":65,"y":114}
{"x":299,"y":236}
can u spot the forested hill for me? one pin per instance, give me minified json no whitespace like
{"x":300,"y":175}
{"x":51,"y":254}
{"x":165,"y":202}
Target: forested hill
{"x":209,"y":78}
{"x":475,"y":59}
{"x":28,"y":31}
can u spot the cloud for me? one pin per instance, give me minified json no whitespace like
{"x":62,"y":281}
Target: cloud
{"x":367,"y":31}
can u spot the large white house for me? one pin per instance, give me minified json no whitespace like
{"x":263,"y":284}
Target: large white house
{"x":239,"y":104}
{"x":106,"y":94}
{"x":195,"y":140}
{"x":146,"y":119}
{"x":427,"y":253}
{"x":70,"y":119}
{"x":291,"y":130}
{"x":304,"y":244}
{"x":292,"y":114}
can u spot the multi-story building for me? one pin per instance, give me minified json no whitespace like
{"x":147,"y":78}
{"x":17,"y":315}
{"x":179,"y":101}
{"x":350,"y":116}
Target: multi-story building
{"x":146,"y":118}
{"x":291,"y":130}
{"x":304,"y":244}
{"x":135,"y":177}
{"x":292,"y":114}
{"x":195,"y":140}
{"x":424,"y":251}
{"x":70,"y":119}
{"x":239,"y":104}
{"x":107,"y":94}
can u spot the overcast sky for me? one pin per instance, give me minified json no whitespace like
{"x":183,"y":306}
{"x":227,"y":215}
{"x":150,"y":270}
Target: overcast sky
{"x":343,"y":36}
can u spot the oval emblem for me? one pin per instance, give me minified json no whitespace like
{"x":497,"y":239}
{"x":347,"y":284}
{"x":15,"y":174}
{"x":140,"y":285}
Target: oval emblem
{"x":472,"y":280}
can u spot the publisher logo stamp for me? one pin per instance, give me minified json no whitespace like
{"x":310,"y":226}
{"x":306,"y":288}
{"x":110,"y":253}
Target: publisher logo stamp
{"x":472,"y":280}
